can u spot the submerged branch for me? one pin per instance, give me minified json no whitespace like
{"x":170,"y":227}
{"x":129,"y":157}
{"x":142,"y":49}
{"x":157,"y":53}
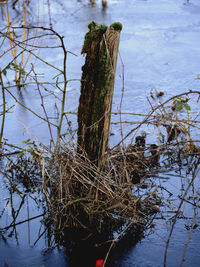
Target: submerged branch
{"x":21,"y":222}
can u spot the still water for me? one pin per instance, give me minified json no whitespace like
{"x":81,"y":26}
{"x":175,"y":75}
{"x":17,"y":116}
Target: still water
{"x":160,"y":50}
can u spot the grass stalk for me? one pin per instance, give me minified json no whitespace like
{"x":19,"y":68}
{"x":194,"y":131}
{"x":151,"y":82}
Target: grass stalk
{"x":23,"y":43}
{"x":4,"y":107}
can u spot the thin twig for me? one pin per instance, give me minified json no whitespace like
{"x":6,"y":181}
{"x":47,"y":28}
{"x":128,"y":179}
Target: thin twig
{"x":153,"y":110}
{"x":43,"y":106}
{"x":177,"y":213}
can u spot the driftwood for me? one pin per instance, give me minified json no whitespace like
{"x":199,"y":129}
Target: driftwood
{"x":97,"y":83}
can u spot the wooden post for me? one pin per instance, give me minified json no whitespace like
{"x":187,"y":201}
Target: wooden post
{"x":97,"y":83}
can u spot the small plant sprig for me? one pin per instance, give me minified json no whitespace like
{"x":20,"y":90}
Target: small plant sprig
{"x":61,"y":71}
{"x":158,"y":107}
{"x":180,"y":104}
{"x":18,"y":67}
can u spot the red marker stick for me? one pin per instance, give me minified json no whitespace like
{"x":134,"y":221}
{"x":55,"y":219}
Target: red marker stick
{"x":99,"y":263}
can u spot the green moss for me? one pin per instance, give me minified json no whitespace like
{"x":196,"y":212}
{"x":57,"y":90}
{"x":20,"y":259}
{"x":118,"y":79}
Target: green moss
{"x":101,"y":27}
{"x":89,"y":37}
{"x":95,"y":33}
{"x":102,"y":84}
{"x":92,"y":26}
{"x":117,"y":26}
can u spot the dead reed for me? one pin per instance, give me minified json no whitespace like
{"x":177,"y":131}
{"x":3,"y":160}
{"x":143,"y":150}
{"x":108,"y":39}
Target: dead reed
{"x":82,"y":196}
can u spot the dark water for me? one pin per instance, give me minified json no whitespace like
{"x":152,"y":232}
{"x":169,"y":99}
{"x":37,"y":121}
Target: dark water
{"x":160,"y":50}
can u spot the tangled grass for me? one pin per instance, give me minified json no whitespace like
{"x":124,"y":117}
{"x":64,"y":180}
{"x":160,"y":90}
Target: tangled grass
{"x":82,"y":196}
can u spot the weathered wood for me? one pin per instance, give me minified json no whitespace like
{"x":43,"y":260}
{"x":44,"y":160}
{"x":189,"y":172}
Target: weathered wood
{"x":97,"y":83}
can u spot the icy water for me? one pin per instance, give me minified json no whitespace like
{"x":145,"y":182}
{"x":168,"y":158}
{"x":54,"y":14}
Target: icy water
{"x":160,"y":51}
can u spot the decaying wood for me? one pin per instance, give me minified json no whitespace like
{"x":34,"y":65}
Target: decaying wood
{"x":97,"y":83}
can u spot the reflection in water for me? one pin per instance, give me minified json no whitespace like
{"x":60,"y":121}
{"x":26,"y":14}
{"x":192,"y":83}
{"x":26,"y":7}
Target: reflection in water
{"x":103,"y":2}
{"x":21,"y":96}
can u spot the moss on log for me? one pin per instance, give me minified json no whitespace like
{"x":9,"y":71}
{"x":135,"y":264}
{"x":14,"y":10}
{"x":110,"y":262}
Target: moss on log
{"x":97,"y":83}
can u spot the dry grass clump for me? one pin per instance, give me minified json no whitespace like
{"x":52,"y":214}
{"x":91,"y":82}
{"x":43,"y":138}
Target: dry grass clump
{"x":82,"y":196}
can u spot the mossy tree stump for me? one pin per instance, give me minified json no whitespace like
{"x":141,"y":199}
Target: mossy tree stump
{"x":97,"y":83}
